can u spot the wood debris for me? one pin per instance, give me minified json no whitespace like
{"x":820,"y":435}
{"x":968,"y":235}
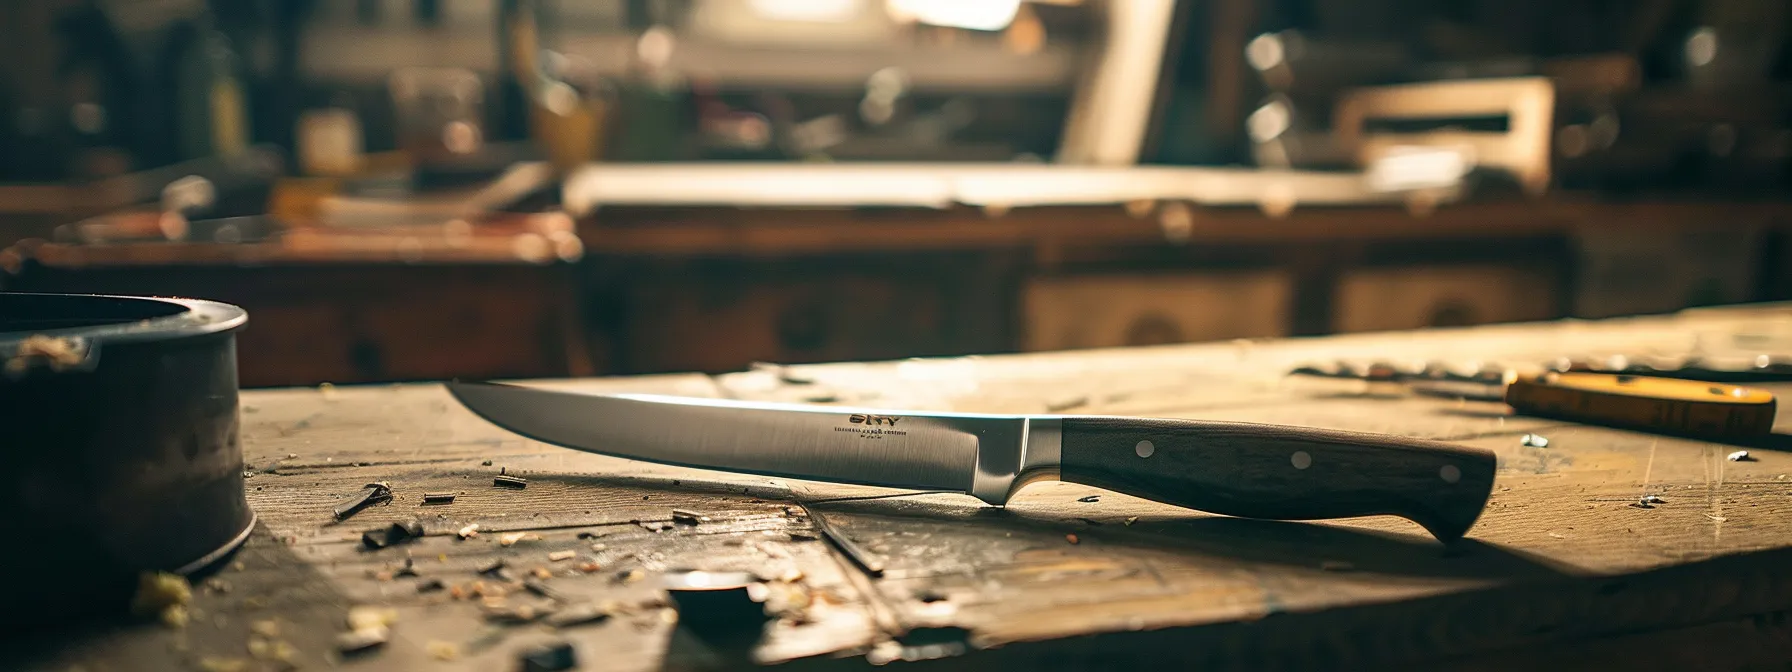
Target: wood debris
{"x":1131,"y":519}
{"x":582,"y":614}
{"x":265,"y":628}
{"x":512,"y":482}
{"x":1740,"y":456}
{"x":492,"y":568}
{"x":175,"y":616}
{"x":361,"y":641}
{"x":536,"y":587}
{"x":1091,"y":499}
{"x":589,"y":566}
{"x":373,"y":540}
{"x":438,"y":498}
{"x":511,"y":538}
{"x":262,"y":648}
{"x":364,"y":617}
{"x":59,"y":353}
{"x":369,"y":627}
{"x":443,"y":651}
{"x":501,"y":612}
{"x":164,"y":596}
{"x":216,"y":664}
{"x":1072,"y":539}
{"x":471,"y":530}
{"x":373,"y":493}
{"x":1533,"y":441}
{"x":430,"y":585}
{"x":558,"y":556}
{"x":541,"y":573}
{"x":550,"y":657}
{"x":688,"y":517}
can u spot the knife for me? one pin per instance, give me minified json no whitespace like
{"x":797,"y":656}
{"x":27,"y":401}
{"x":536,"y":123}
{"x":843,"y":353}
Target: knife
{"x":1238,"y":469}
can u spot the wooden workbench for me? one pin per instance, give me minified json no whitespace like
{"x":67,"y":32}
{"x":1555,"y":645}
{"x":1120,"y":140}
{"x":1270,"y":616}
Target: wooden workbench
{"x":1560,"y":572}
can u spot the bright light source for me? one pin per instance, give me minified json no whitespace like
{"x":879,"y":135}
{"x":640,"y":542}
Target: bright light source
{"x":1406,"y":168}
{"x":966,"y":14}
{"x":812,"y":11}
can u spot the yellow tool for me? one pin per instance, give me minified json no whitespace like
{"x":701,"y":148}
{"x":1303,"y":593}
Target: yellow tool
{"x":1642,"y":402}
{"x":1648,"y":403}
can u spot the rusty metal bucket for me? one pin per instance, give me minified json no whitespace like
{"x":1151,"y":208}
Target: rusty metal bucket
{"x":118,"y":446}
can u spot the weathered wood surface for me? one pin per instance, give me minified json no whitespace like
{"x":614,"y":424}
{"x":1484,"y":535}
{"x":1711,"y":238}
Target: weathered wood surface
{"x":1560,"y":571}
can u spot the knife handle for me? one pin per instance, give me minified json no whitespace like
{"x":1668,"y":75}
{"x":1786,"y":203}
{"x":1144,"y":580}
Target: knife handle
{"x":1278,"y":472}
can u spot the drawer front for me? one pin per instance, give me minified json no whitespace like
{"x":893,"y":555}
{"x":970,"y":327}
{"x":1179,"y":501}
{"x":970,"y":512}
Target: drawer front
{"x":1099,"y":311}
{"x":709,"y":325}
{"x":1382,"y":299}
{"x":309,"y":325}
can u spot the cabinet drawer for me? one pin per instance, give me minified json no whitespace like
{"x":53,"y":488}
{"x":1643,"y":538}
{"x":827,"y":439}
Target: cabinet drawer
{"x":1381,"y":299}
{"x":1098,"y":311}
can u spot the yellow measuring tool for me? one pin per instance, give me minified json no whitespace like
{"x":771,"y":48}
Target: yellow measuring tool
{"x":1643,"y":402}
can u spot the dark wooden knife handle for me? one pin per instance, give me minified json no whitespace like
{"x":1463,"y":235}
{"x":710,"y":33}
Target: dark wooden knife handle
{"x":1282,"y":473}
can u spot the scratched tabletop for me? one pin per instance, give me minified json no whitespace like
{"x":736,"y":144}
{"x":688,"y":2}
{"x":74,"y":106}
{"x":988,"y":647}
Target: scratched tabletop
{"x":1563,"y":570}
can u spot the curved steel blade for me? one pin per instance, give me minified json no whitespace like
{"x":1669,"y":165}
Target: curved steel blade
{"x":932,"y":451}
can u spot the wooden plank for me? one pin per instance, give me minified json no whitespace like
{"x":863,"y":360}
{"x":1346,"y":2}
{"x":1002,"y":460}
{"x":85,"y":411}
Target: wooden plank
{"x":1065,"y":575}
{"x":783,"y":232}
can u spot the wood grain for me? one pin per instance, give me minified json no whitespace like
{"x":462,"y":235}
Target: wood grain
{"x":1559,"y":570}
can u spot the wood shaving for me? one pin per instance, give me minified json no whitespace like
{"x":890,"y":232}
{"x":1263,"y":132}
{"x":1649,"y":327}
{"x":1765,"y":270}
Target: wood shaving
{"x":441,"y":650}
{"x":175,"y":616}
{"x":156,"y":591}
{"x":357,"y":641}
{"x":1072,"y":539}
{"x":365,"y":617}
{"x":468,"y":532}
{"x":511,"y":538}
{"x":558,"y":556}
{"x":59,"y":353}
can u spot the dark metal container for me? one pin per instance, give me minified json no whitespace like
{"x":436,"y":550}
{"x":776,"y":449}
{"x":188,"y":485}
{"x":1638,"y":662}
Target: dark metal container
{"x":118,"y":447}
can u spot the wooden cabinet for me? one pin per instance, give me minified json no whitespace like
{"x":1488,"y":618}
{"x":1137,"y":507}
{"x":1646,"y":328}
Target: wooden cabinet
{"x":1110,"y":310}
{"x":352,"y":323}
{"x":1412,"y":297}
{"x":718,"y":316}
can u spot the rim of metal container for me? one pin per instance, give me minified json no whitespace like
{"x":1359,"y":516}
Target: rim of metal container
{"x":138,"y":318}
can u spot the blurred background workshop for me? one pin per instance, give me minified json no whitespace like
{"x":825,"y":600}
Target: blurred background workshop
{"x":407,"y":190}
{"x":1514,"y":237}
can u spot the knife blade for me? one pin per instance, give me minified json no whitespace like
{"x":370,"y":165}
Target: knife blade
{"x":1238,"y":469}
